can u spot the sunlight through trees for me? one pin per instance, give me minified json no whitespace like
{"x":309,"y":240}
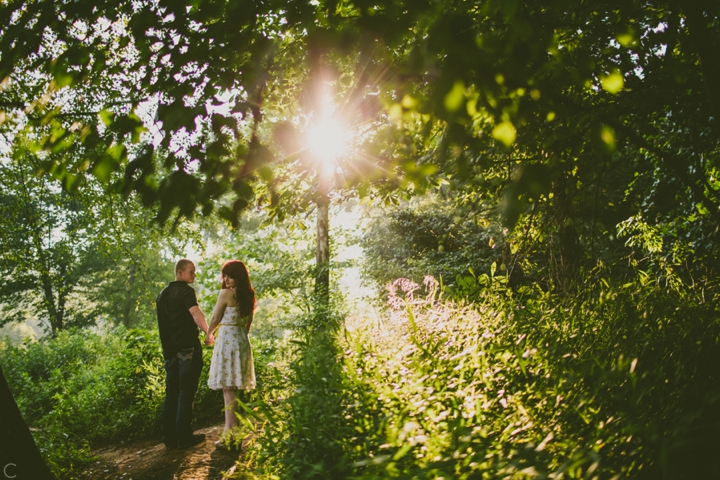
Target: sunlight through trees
{"x":539,"y":183}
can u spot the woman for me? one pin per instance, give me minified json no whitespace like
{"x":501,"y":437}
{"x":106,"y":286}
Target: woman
{"x":231,"y":368}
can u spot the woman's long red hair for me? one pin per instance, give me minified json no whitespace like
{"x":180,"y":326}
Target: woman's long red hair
{"x":244,"y":291}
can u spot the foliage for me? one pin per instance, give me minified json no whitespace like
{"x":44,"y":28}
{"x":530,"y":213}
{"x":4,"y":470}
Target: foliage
{"x":141,"y":254}
{"x":620,"y":384}
{"x":280,"y":256}
{"x":575,"y":117}
{"x":299,"y":416}
{"x":80,"y":390}
{"x":85,"y":388}
{"x":430,"y":238}
{"x":46,"y":249}
{"x":125,"y":293}
{"x":589,"y":113}
{"x":70,"y":259}
{"x":96,"y":70}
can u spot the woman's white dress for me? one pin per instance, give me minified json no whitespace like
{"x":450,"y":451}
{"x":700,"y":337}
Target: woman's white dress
{"x":232,"y":358}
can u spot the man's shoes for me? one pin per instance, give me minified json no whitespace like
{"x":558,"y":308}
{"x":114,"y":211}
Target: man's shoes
{"x":196,"y":439}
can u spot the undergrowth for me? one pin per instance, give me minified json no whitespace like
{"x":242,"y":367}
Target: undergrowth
{"x":621,"y":384}
{"x":81,"y":390}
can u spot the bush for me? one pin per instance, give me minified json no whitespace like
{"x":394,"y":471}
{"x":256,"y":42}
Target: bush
{"x":80,"y":389}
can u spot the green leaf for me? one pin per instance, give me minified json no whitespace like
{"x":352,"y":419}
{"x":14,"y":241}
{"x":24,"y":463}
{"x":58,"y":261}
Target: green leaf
{"x":627,"y":39}
{"x":456,"y":97}
{"x":402,"y":452}
{"x":107,"y":117}
{"x":607,"y":135}
{"x":63,"y":79}
{"x":104,"y":168}
{"x":265,"y":173}
{"x":505,"y":132}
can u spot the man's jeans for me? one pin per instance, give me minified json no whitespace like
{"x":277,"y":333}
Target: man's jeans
{"x":181,"y":383}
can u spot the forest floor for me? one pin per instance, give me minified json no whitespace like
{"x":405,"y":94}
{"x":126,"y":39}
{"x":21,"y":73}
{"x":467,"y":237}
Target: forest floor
{"x":150,"y":460}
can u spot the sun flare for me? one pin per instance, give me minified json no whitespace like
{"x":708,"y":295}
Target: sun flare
{"x":328,"y":141}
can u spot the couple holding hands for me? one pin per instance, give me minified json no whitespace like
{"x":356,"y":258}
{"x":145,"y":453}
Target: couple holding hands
{"x":231,"y":367}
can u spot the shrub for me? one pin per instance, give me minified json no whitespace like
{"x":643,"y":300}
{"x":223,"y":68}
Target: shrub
{"x":79,"y":389}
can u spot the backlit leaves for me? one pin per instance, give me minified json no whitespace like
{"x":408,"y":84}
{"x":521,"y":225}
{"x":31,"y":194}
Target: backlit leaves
{"x":613,"y":82}
{"x":505,"y":133}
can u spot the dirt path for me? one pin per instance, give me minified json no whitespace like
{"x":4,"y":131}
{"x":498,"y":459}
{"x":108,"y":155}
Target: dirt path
{"x":150,"y":460}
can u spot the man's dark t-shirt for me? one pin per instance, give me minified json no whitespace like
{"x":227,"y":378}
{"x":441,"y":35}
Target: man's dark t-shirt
{"x":177,"y":327}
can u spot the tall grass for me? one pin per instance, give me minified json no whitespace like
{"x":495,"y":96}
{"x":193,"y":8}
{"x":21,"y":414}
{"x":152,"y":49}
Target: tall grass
{"x":621,"y":384}
{"x":300,"y":410}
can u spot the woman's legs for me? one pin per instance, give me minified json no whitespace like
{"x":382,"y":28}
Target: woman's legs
{"x":229,"y":396}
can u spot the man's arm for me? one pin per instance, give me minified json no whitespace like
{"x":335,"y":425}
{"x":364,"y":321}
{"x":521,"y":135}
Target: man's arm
{"x":199,"y":319}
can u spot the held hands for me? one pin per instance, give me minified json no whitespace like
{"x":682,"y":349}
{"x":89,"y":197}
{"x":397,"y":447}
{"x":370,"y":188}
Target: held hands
{"x":209,"y":339}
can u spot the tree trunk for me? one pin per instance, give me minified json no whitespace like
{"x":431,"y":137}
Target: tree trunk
{"x":130,"y":301}
{"x":322,"y":252}
{"x":55,"y":317}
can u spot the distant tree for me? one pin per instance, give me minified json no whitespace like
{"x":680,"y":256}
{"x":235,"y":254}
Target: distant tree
{"x":45,"y":250}
{"x":433,"y":236}
{"x":124,"y":293}
{"x":140,"y":258}
{"x":70,"y":259}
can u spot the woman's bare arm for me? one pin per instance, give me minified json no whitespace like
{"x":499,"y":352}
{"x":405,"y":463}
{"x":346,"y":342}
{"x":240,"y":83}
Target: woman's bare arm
{"x":219,"y":309}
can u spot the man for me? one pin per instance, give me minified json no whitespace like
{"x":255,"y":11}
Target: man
{"x":179,"y":317}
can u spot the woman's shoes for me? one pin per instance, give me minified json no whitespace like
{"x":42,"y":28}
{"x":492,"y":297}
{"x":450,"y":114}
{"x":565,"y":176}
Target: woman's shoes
{"x":220,"y":444}
{"x":227,"y":443}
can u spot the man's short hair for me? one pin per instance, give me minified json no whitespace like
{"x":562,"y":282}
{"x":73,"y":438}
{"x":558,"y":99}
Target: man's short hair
{"x":181,"y":264}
